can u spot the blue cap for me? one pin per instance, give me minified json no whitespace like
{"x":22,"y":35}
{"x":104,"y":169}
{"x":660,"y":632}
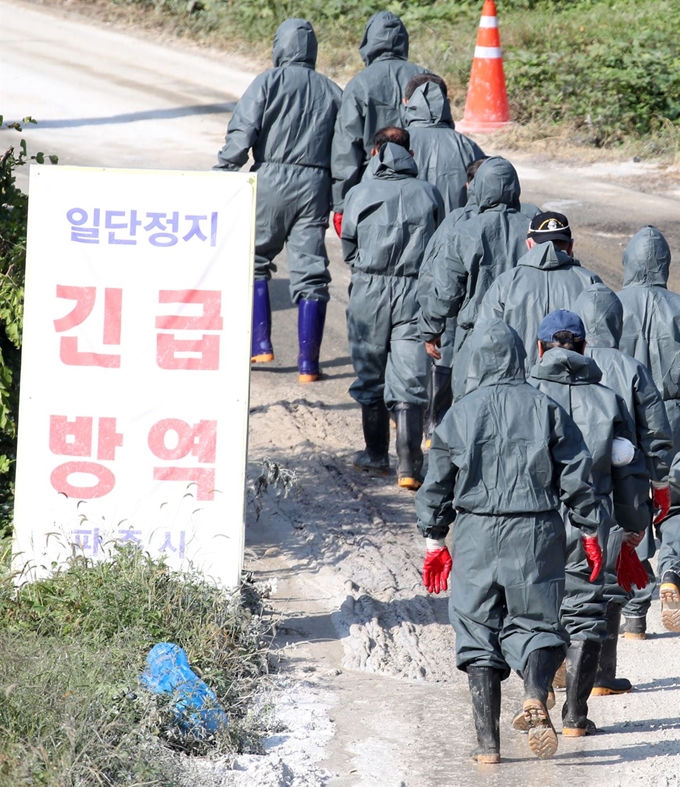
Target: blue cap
{"x":561,"y":320}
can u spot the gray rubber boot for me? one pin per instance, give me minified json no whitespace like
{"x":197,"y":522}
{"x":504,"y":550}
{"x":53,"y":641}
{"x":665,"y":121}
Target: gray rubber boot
{"x":485,"y":690}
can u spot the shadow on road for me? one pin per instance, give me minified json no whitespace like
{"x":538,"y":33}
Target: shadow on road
{"x":135,"y":117}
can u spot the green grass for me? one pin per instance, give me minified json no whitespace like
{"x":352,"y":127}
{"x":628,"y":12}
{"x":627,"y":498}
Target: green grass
{"x":599,"y":72}
{"x":72,"y":713}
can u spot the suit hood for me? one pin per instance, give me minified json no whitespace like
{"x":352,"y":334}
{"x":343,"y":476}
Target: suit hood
{"x":392,"y":161}
{"x":646,"y":259}
{"x":496,"y":183}
{"x":384,"y":37}
{"x":496,"y":355}
{"x":546,"y":257}
{"x":295,"y":42}
{"x":568,"y":367}
{"x":602,"y":315}
{"x":428,"y":106}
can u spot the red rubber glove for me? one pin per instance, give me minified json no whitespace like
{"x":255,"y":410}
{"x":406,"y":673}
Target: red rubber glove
{"x":629,"y":569}
{"x":436,"y":569}
{"x":337,"y":223}
{"x":593,"y":552}
{"x":661,"y":498}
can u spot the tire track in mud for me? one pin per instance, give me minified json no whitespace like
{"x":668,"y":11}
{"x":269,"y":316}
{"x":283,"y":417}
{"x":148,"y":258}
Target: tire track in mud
{"x":359,"y":534}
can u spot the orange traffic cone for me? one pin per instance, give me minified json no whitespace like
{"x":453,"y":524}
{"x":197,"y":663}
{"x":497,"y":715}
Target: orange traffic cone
{"x":486,"y":108}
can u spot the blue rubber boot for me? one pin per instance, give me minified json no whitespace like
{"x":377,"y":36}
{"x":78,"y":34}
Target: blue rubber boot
{"x":261,"y":350}
{"x":311,"y":319}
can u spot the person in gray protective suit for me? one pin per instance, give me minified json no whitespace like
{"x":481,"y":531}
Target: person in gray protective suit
{"x":441,"y":153}
{"x":440,"y":393}
{"x":502,"y":460}
{"x":389,"y":218}
{"x":466,"y":262}
{"x":371,"y":100}
{"x":619,"y":475}
{"x":669,"y":555}
{"x":602,"y":315}
{"x":651,"y":334}
{"x":286,"y":117}
{"x":546,"y":278}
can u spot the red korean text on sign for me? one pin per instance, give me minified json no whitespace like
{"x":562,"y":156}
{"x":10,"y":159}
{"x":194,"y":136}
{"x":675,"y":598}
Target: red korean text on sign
{"x":85,"y":297}
{"x":173,"y":352}
{"x":75,"y":438}
{"x":199,"y":440}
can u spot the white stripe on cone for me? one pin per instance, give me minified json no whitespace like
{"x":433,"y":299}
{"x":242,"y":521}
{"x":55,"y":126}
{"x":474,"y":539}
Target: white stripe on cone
{"x":488,"y":52}
{"x":489,"y":21}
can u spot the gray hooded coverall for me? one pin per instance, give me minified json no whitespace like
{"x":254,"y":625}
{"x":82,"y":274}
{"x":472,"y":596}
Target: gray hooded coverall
{"x":466,"y":262}
{"x":572,"y":380}
{"x":651,"y":317}
{"x":502,"y":460}
{"x":544,"y":280}
{"x":442,"y":154}
{"x":602,"y":315}
{"x":287,"y":117}
{"x":372,"y":100}
{"x":389,"y":219}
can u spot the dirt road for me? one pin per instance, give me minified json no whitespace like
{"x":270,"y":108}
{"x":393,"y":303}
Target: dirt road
{"x":371,"y":649}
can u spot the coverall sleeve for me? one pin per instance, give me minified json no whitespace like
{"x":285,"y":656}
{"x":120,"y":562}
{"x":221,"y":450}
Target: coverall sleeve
{"x":574,"y":465}
{"x":348,"y":154}
{"x":434,"y":499}
{"x":652,"y":426}
{"x":244,"y":127}
{"x":349,"y":239}
{"x":448,"y":290}
{"x":630,"y":483}
{"x":492,"y":304}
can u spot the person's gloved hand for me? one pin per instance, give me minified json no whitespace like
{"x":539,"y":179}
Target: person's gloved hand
{"x":633,"y":537}
{"x":437,"y":565}
{"x":661,"y":498}
{"x":629,"y":569}
{"x":432,"y":348}
{"x":337,"y":223}
{"x":593,"y":552}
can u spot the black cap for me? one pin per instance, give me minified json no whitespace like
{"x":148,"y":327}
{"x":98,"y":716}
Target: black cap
{"x":549,"y":226}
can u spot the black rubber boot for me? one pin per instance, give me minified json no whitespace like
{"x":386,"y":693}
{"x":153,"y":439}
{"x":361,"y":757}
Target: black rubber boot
{"x":669,"y":593}
{"x":374,"y":458}
{"x":582,"y":660}
{"x":441,"y":398}
{"x":634,"y":628}
{"x":409,"y":445}
{"x":606,"y":681}
{"x":485,"y":690}
{"x":538,"y":677}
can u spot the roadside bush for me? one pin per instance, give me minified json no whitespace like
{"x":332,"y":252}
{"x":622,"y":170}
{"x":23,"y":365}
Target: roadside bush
{"x":73,"y":646}
{"x":13,"y":218}
{"x":608,"y":67}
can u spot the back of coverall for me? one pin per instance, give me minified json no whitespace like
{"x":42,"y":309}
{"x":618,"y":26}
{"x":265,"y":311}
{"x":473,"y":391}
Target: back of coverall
{"x":287,"y":117}
{"x":389,"y":218}
{"x":503,"y":459}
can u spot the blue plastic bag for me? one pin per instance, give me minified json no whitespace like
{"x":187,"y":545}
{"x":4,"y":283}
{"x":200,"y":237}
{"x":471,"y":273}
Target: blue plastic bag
{"x":193,"y":703}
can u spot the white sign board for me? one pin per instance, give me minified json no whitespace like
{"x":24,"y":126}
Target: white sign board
{"x":135,"y":367}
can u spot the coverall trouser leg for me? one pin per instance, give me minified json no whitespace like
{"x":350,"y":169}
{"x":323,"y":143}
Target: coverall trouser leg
{"x":507,"y":582}
{"x":293,"y":205}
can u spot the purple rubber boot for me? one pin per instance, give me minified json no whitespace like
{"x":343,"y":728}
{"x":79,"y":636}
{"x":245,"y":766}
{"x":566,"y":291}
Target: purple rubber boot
{"x":311,"y":319}
{"x":261,"y":350}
